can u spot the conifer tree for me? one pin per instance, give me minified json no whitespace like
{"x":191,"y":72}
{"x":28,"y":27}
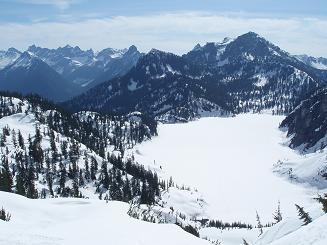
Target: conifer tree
{"x":144,"y":193}
{"x":49,"y":176}
{"x":75,"y":187}
{"x":104,"y":176}
{"x":63,"y":147}
{"x":62,"y":178}
{"x":31,"y":191}
{"x":323,"y":201}
{"x":127,"y":194}
{"x":20,"y":180}
{"x":81,"y":178}
{"x":21,"y":140}
{"x":87,"y":169}
{"x":304,"y":216}
{"x":245,"y":242}
{"x":93,"y":171}
{"x":53,"y":146}
{"x":6,"y":179}
{"x":278,"y":215}
{"x":4,"y":215}
{"x":259,"y":224}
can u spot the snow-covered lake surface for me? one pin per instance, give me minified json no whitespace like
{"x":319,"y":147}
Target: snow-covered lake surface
{"x":230,"y":161}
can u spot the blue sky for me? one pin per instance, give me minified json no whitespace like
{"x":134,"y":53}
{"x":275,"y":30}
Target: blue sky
{"x":298,"y":26}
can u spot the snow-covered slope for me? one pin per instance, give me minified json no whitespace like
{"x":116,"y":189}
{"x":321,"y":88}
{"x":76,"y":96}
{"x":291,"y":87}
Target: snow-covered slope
{"x":318,"y":63}
{"x":8,"y":57}
{"x":66,"y":221}
{"x":292,"y":231}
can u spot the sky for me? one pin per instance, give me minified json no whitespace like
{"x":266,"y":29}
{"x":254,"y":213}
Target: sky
{"x":297,"y":26}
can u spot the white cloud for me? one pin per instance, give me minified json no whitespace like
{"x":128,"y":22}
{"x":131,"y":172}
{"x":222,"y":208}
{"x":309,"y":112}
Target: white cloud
{"x":175,"y":32}
{"x":61,"y":4}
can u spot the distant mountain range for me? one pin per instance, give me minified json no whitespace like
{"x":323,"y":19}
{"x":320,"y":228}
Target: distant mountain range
{"x":61,"y":73}
{"x":319,"y":63}
{"x":242,"y":74}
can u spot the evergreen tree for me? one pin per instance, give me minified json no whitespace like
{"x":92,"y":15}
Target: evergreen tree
{"x":127,"y":194}
{"x":62,"y":178}
{"x":53,"y":146}
{"x":87,"y":169}
{"x":104,"y":176}
{"x":75,"y":187}
{"x":245,"y":242}
{"x":93,"y":171}
{"x":6,"y":179}
{"x":144,"y":193}
{"x":81,"y":178}
{"x":323,"y":201}
{"x":31,"y":191}
{"x":20,"y":180}
{"x":4,"y":215}
{"x":259,"y":224}
{"x":63,"y":147}
{"x":304,"y":216}
{"x":21,"y":140}
{"x":278,"y":215}
{"x":49,"y":176}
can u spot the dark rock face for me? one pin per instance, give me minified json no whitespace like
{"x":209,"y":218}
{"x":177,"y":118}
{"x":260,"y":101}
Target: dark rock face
{"x":307,"y":124}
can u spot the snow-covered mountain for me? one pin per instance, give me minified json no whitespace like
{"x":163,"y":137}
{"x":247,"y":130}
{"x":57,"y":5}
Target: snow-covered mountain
{"x":120,"y":63}
{"x":29,"y":74}
{"x":83,"y":67}
{"x":318,"y":63}
{"x":8,"y":57}
{"x":161,"y":84}
{"x":62,"y":73}
{"x":244,"y":74}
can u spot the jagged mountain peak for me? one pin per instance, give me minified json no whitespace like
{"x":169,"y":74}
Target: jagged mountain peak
{"x":132,"y":48}
{"x":155,"y":51}
{"x":13,"y":50}
{"x":25,"y":60}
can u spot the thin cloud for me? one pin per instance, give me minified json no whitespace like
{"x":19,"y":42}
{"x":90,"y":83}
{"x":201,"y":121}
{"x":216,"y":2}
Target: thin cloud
{"x":174,"y":32}
{"x":61,"y":4}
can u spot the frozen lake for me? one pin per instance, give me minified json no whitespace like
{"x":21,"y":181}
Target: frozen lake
{"x":230,"y":161}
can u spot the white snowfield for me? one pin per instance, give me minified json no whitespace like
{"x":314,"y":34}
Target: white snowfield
{"x":82,"y":221}
{"x":230,"y":161}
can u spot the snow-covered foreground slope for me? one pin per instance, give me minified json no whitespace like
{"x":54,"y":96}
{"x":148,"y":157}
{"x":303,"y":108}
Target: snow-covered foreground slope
{"x":292,"y":231}
{"x":230,"y":161}
{"x":82,"y":221}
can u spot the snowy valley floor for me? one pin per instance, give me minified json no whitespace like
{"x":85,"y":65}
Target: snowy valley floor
{"x":231,"y":162}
